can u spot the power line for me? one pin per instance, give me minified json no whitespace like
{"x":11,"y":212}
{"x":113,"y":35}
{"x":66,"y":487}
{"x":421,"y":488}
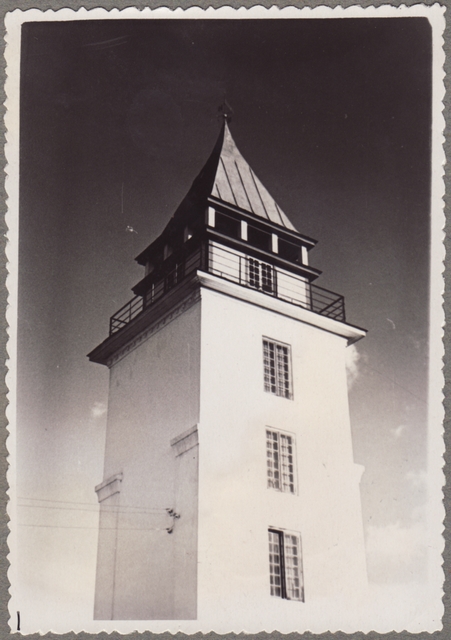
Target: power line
{"x":89,"y":504}
{"x":55,"y":526}
{"x":109,"y":507}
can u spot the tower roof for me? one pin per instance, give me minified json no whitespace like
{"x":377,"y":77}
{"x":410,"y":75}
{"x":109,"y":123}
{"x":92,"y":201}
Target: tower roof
{"x":227,"y":176}
{"x":236,"y":183}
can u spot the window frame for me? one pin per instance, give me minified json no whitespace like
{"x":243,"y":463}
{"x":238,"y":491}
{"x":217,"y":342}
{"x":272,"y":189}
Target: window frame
{"x":261,"y":276}
{"x":282,"y":434}
{"x":227,"y":225}
{"x":267,"y":376}
{"x":278,"y":571}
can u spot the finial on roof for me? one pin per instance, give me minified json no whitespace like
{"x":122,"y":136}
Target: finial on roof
{"x":225,"y":111}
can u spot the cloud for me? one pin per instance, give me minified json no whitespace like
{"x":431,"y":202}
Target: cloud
{"x":353,"y":358}
{"x":98,"y":409}
{"x":396,"y":552}
{"x":398,"y":431}
{"x":417,"y":478}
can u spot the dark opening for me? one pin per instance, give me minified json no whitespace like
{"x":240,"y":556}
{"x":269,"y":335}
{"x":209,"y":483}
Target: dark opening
{"x":289,"y":251}
{"x":227,"y":225}
{"x":258,"y":238}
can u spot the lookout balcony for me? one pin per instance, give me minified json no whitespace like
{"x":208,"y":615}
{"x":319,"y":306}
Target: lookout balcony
{"x":227,"y":229}
{"x":258,"y":256}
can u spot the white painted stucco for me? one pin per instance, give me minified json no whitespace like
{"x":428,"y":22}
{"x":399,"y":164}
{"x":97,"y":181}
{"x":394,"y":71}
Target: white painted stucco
{"x":187,"y":420}
{"x":235,"y":506}
{"x":153,"y":398}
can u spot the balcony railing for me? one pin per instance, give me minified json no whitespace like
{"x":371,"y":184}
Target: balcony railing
{"x":157,"y":289}
{"x":242,"y":269}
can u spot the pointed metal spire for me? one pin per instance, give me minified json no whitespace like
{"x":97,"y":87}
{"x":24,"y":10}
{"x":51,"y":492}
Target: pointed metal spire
{"x":235,"y":182}
{"x":225,"y":111}
{"x":228,"y":177}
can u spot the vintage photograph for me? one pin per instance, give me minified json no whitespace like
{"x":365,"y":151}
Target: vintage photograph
{"x":227,"y":238}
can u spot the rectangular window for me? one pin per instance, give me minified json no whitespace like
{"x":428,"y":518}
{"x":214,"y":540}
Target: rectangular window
{"x":280,"y":459}
{"x":285,"y":565}
{"x":254,"y":273}
{"x":261,"y":276}
{"x":227,"y":225}
{"x":259,"y":238}
{"x":174,"y":276}
{"x":289,"y":251}
{"x":277,"y":369}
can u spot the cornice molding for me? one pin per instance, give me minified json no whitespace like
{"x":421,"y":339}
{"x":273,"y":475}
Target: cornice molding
{"x":185,"y":441}
{"x":171,"y":315}
{"x":109,"y":487}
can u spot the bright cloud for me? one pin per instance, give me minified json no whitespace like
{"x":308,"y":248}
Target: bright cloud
{"x":417,"y":478}
{"x":398,"y":431}
{"x":352,"y":364}
{"x":396,"y":552}
{"x":98,"y":409}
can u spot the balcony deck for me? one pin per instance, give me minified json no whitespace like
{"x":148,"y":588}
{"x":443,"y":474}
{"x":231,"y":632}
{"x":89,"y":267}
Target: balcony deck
{"x":242,"y":269}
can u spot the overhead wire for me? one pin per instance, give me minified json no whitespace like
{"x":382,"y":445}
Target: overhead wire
{"x":91,"y":506}
{"x":59,"y":526}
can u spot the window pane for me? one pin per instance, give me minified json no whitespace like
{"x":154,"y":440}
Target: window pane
{"x":275,"y":566}
{"x":227,"y":225}
{"x":273,"y":459}
{"x":254,"y":273}
{"x":282,"y":372}
{"x":258,"y":238}
{"x":289,"y":251}
{"x":277,"y":371}
{"x":287,"y":463}
{"x":293,"y":569}
{"x":269,"y":366}
{"x":267,"y":279}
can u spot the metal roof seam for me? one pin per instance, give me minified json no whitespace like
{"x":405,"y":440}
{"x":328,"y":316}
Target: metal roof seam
{"x":282,"y":222}
{"x":259,"y":194}
{"x":228,"y":180}
{"x":244,"y":188}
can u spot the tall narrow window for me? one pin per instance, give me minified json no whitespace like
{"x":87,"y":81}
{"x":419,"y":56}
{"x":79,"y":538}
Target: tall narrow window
{"x":277,"y":369}
{"x":267,"y":278}
{"x":275,"y":563}
{"x":227,"y":225}
{"x":280,"y":458}
{"x":254,"y":273}
{"x":261,"y":276}
{"x":285,"y":565}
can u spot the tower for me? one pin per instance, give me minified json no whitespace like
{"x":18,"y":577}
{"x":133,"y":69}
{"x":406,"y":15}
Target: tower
{"x":229,"y":474}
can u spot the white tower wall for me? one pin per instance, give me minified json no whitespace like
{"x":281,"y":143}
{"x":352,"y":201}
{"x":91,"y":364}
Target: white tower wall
{"x":235,"y":506}
{"x":153,"y":399}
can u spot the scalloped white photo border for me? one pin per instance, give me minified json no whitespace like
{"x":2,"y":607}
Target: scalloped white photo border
{"x":429,"y":619}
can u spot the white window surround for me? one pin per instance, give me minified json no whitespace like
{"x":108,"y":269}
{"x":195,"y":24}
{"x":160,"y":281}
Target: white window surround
{"x":277,"y":370}
{"x":211,"y":215}
{"x":243,"y":230}
{"x":285,"y":564}
{"x":281,"y":461}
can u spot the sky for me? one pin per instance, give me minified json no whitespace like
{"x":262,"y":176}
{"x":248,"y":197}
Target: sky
{"x":117,"y":119}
